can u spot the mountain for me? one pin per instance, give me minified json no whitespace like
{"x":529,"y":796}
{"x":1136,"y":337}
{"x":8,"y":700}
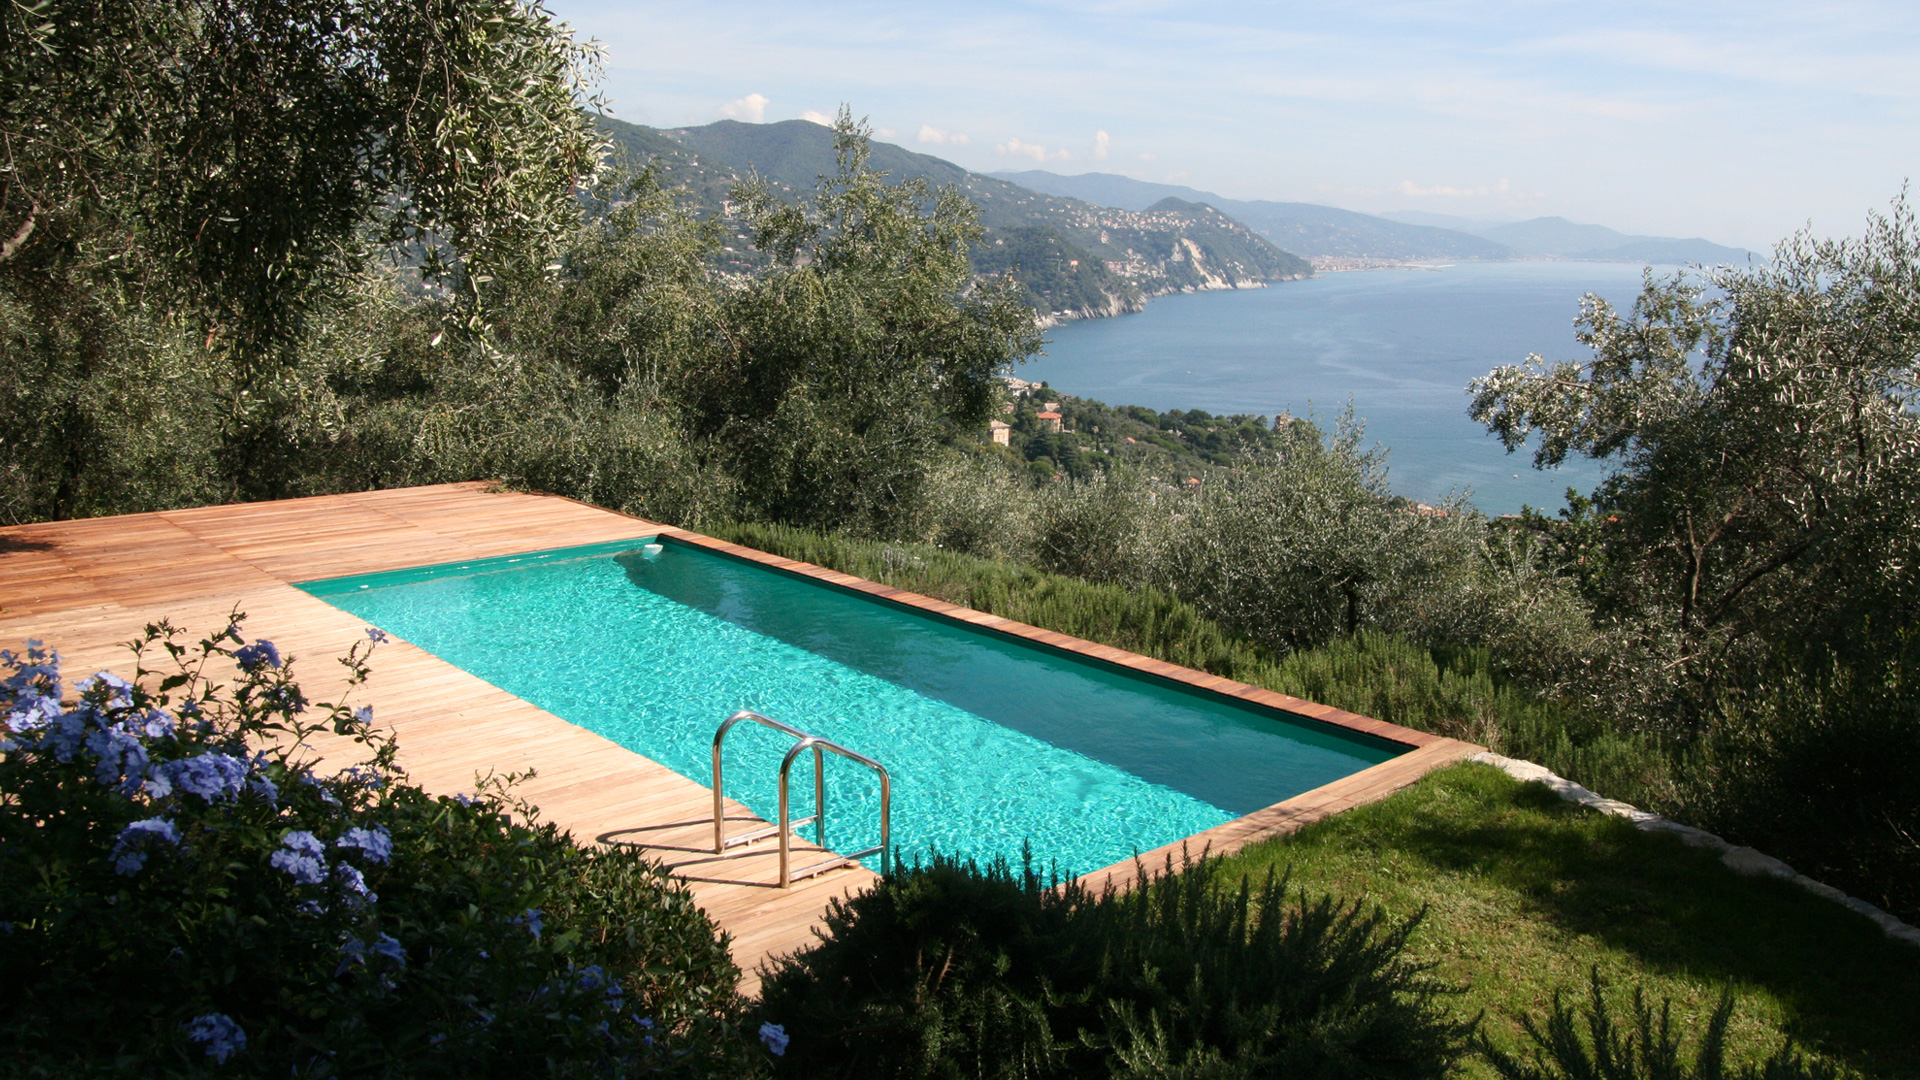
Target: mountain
{"x":1557,"y":237}
{"x":1333,"y":237}
{"x":1443,"y":221}
{"x":1077,"y":259}
{"x":1329,"y":236}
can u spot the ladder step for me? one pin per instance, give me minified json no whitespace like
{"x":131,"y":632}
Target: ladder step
{"x":833,"y":863}
{"x":770,"y":830}
{"x":820,"y":868}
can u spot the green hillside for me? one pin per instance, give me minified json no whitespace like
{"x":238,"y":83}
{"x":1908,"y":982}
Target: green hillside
{"x":1076,"y":259}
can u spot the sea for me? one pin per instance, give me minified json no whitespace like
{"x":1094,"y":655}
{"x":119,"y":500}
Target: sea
{"x":1399,"y":344}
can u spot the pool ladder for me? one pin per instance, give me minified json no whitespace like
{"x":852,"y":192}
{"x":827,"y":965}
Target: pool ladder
{"x":818,"y":819}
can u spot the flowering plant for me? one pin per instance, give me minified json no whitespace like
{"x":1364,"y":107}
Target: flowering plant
{"x":184,"y":890}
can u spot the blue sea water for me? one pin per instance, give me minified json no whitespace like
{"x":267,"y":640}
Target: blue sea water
{"x":992,"y":744}
{"x":1400,"y":344}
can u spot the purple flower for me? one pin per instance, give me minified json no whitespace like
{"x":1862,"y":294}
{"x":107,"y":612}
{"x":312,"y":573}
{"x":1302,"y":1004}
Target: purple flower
{"x":252,"y":658}
{"x":223,"y":1037}
{"x":391,"y":949}
{"x":375,"y":843}
{"x":531,"y":920}
{"x":257,"y":780}
{"x":211,"y":775}
{"x":107,"y":688}
{"x":36,"y":671}
{"x":355,"y":952}
{"x":354,"y":882}
{"x":157,"y":725}
{"x":363,"y":715}
{"x":123,"y":759}
{"x":54,"y":728}
{"x":376,"y":635}
{"x":264,"y":788}
{"x":352,"y":954}
{"x":355,"y":774}
{"x":318,"y":785}
{"x":32,"y":710}
{"x":128,"y":856}
{"x":775,"y":1038}
{"x":303,"y":858}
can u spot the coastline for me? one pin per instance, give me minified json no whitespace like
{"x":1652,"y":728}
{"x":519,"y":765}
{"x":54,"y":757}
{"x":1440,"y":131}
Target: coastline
{"x":1115,"y":307}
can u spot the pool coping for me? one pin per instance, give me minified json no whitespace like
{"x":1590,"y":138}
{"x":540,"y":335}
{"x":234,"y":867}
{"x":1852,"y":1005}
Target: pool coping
{"x":83,"y":585}
{"x":1426,"y":751}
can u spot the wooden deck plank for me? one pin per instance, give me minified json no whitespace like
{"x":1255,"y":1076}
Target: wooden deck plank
{"x":85,"y":587}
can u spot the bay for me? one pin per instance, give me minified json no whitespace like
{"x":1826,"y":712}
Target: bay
{"x":1400,"y":344}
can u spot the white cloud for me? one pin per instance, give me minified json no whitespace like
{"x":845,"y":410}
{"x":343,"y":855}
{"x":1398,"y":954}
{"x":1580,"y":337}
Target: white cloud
{"x":1145,"y":156}
{"x":815,"y":116}
{"x":752,"y":109}
{"x":931,"y":134}
{"x":886,"y":133}
{"x":1016,"y":148}
{"x":1101,"y":140}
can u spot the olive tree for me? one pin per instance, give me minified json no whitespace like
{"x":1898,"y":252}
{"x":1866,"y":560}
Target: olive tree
{"x":187,"y":182}
{"x":863,"y":348}
{"x":1760,"y":421}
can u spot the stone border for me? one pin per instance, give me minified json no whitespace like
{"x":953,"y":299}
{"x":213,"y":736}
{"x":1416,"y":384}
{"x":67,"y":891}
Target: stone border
{"x":1741,"y":860}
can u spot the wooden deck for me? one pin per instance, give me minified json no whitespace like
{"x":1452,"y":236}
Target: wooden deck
{"x":86,"y":586}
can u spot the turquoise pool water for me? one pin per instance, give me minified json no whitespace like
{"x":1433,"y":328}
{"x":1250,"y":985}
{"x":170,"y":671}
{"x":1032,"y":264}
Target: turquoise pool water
{"x":991,"y":743}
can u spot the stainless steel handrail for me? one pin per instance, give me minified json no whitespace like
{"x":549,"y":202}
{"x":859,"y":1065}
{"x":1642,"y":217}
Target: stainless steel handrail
{"x":785,"y":828}
{"x":817,"y":744}
{"x":719,"y":803}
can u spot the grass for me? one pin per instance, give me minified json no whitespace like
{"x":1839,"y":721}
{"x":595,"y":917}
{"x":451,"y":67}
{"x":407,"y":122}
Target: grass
{"x":1524,"y":893}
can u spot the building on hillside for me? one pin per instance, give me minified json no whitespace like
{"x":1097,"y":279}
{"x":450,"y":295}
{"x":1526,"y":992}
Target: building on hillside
{"x":1049,"y":420}
{"x":1002,"y":431}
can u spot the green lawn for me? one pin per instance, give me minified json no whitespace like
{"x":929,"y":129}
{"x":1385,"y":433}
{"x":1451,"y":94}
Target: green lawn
{"x":1524,"y":893}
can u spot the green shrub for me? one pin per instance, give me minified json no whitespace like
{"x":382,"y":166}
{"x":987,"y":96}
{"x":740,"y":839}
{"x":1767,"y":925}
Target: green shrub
{"x":947,"y":970}
{"x":181,"y":894}
{"x":1820,"y":767}
{"x":1571,"y":1046}
{"x":1457,"y":693}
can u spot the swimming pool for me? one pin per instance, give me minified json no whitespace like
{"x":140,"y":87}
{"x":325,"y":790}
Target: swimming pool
{"x":993,"y":743}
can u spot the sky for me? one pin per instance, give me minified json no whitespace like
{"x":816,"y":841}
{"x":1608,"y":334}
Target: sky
{"x":1738,"y":122}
